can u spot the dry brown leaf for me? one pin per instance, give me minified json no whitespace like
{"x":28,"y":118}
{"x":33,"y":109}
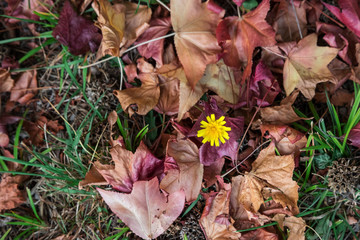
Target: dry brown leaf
{"x":10,"y":195}
{"x":271,"y":175}
{"x":93,"y":177}
{"x":306,"y":66}
{"x":145,"y":97}
{"x":195,"y":25}
{"x":282,"y":114}
{"x":190,"y":173}
{"x":111,"y":21}
{"x":215,"y":219}
{"x":296,"y":225}
{"x":6,"y":82}
{"x":25,"y":88}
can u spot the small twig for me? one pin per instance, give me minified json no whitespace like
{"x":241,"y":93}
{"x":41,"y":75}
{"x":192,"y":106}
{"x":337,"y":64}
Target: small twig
{"x":297,"y":19}
{"x":164,"y":5}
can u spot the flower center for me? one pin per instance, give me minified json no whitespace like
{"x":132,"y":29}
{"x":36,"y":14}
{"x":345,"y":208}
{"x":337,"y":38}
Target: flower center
{"x":214,"y":130}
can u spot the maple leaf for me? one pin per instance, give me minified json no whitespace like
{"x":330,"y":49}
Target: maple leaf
{"x":145,"y":97}
{"x":111,"y":21}
{"x":194,"y":25}
{"x":77,"y":32}
{"x":306,"y":66}
{"x":215,"y":220}
{"x":158,"y":27}
{"x":218,"y":78}
{"x":240,"y":36}
{"x":349,"y":14}
{"x":271,"y":175}
{"x":129,"y":167}
{"x":146,"y":211}
{"x":189,"y":174}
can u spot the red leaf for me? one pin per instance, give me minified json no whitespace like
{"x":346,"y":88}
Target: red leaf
{"x":77,"y":32}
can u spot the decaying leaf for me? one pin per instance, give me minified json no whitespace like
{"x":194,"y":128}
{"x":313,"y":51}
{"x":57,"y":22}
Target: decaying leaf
{"x":215,"y":219}
{"x":194,"y":25}
{"x":296,"y":225}
{"x":240,"y":36}
{"x":189,"y":174}
{"x":111,"y":21}
{"x":129,"y":167}
{"x":282,"y":114}
{"x":145,"y":97}
{"x":271,"y":175}
{"x":146,"y":211}
{"x":306,"y":66}
{"x":6,"y":82}
{"x":75,"y":31}
{"x":10,"y":194}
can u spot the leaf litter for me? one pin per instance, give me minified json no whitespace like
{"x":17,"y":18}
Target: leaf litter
{"x":201,"y":60}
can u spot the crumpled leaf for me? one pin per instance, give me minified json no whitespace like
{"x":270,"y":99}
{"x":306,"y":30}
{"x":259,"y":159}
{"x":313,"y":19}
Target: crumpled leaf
{"x":286,"y":22}
{"x":36,"y":129}
{"x":129,"y":167}
{"x":76,"y":32}
{"x":194,"y":25}
{"x":190,"y":171}
{"x":282,"y":114}
{"x":296,"y":225}
{"x":287,"y":139}
{"x":218,"y":78}
{"x":349,"y":14}
{"x":111,"y":21}
{"x":210,"y":154}
{"x":306,"y":66}
{"x":146,"y":211}
{"x":215,"y":220}
{"x":239,"y":37}
{"x":271,"y":175}
{"x":158,"y":27}
{"x":6,"y":82}
{"x":145,"y":97}
{"x":10,"y":194}
{"x":355,"y":76}
{"x":259,"y":234}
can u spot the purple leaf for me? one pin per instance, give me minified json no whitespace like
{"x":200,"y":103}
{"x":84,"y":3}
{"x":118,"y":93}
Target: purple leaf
{"x":76,"y":32}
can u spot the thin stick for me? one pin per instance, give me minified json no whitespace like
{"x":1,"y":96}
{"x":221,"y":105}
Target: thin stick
{"x":296,"y":18}
{"x":121,"y":73}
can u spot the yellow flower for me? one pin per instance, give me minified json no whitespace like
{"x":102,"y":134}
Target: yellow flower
{"x":214,"y":130}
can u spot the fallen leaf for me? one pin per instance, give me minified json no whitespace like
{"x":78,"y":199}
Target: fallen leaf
{"x":6,"y":120}
{"x":194,"y":26}
{"x":297,"y":226}
{"x":288,"y":25}
{"x":111,"y":21}
{"x":282,"y":114}
{"x":76,"y":32}
{"x":215,"y":220}
{"x":306,"y":66}
{"x":218,"y":78}
{"x":146,"y":211}
{"x":92,"y":177}
{"x":349,"y":14}
{"x":259,"y":234}
{"x":10,"y":194}
{"x":6,"y":82}
{"x":130,"y":167}
{"x":25,"y":9}
{"x":355,"y":76}
{"x":273,"y":174}
{"x":158,"y":27}
{"x":354,"y":136}
{"x":190,"y":171}
{"x":240,"y":36}
{"x":137,"y":18}
{"x":287,"y":140}
{"x":145,"y":97}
